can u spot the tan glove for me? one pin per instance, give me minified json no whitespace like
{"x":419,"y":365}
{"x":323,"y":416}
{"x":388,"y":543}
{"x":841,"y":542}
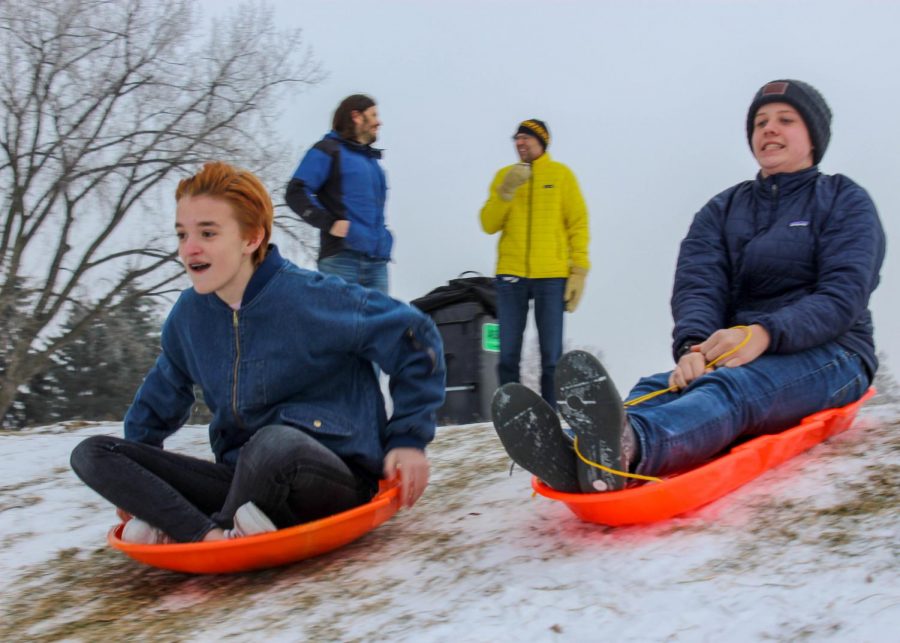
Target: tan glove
{"x":516,"y":176}
{"x":574,"y":287}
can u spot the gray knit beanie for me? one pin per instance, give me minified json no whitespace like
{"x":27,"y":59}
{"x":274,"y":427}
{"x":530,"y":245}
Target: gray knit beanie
{"x":807,"y":100}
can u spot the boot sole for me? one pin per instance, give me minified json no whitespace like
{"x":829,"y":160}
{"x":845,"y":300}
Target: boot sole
{"x":590,"y":403}
{"x":532,"y":436}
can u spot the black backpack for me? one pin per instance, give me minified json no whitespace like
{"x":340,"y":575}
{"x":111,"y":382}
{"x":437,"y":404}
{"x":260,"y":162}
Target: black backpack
{"x":462,"y":289}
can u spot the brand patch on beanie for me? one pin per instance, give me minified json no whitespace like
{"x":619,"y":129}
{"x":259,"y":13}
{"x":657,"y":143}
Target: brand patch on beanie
{"x":779,"y":87}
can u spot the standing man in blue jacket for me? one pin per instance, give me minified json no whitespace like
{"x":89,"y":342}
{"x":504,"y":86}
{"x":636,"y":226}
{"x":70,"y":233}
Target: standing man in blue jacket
{"x":340,"y":188}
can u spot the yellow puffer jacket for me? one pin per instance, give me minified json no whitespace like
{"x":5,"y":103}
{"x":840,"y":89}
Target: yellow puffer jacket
{"x":545,"y":225}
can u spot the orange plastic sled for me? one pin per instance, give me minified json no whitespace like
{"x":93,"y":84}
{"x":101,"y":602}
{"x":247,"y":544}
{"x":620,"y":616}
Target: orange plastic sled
{"x":266,"y":550}
{"x":692,"y":489}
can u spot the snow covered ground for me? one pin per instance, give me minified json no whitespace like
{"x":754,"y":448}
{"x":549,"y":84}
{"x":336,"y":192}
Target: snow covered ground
{"x":808,"y":551}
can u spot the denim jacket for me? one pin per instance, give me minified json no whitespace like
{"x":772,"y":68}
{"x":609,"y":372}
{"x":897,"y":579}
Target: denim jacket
{"x":299,"y":352}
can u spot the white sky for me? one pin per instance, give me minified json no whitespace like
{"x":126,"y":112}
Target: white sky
{"x":646,"y":102}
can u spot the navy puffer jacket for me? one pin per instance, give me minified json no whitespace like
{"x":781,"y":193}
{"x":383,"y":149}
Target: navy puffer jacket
{"x":797,"y":253}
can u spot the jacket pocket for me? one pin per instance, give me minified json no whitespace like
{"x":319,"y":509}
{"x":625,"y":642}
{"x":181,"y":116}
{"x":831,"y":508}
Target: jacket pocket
{"x":854,"y":386}
{"x":316,"y":420}
{"x":361,"y":237}
{"x":849,"y":392}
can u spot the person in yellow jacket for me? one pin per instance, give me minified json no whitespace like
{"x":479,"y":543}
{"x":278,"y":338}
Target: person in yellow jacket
{"x":542,"y":254}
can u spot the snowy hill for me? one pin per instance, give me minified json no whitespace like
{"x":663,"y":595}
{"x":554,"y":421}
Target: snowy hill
{"x":808,"y":551}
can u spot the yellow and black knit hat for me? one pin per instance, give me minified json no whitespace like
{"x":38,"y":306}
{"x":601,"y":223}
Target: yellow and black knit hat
{"x":538,"y":129}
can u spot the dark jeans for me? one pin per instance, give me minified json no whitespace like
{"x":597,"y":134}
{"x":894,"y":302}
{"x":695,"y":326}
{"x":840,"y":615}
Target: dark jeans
{"x":513,"y":295}
{"x":678,"y":431}
{"x":289,"y":475}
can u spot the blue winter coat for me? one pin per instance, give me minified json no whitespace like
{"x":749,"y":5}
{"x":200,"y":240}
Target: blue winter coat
{"x":797,"y":253}
{"x":298,"y":352}
{"x":340,"y":179}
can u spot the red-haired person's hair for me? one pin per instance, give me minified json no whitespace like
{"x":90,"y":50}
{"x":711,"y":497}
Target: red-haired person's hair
{"x":243,"y":190}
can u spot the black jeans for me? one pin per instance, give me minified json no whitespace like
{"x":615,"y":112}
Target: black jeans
{"x":285,"y":472}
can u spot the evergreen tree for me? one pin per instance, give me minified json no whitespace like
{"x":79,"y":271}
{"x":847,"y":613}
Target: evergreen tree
{"x":12,"y":323}
{"x":95,"y":376}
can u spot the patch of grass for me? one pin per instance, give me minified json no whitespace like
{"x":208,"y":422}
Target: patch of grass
{"x":879,"y":493}
{"x":105,"y":596}
{"x":840,"y":528}
{"x":16,"y":502}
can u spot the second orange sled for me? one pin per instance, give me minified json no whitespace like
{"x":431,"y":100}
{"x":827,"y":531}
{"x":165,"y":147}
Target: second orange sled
{"x":692,"y":489}
{"x":266,"y":550}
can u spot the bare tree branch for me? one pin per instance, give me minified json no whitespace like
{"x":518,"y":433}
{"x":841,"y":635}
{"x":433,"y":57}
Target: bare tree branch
{"x":104,"y":104}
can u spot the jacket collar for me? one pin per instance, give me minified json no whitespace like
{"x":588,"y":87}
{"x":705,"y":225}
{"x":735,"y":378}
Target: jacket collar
{"x":786,"y":183}
{"x":367,"y":150}
{"x":263,"y":274}
{"x":543,"y":159}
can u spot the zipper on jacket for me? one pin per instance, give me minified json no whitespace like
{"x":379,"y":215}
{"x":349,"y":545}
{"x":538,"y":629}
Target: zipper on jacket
{"x":379,"y":221}
{"x":773,"y":212}
{"x":528,"y":236}
{"x":237,"y":361}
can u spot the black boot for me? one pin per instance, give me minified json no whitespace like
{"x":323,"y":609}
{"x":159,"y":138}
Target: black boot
{"x":590,"y":403}
{"x":531,"y":434}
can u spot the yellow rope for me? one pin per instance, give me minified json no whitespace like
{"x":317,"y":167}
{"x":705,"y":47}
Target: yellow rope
{"x":649,"y":396}
{"x":624,"y":474}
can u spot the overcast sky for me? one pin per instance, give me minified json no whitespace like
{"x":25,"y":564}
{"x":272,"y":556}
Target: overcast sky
{"x":645,"y":100}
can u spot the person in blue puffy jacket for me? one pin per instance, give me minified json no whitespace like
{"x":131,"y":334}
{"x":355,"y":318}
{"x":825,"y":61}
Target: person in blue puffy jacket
{"x":340,"y":188}
{"x":284,"y":358}
{"x":770,"y":303}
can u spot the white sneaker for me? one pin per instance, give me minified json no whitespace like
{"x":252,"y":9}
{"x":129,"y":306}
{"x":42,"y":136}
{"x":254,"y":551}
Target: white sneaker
{"x":143,"y":533}
{"x":249,"y":520}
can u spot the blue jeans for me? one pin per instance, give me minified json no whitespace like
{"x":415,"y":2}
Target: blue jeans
{"x":357,"y":268}
{"x":513,"y":295}
{"x":285,"y":472}
{"x":678,"y":431}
